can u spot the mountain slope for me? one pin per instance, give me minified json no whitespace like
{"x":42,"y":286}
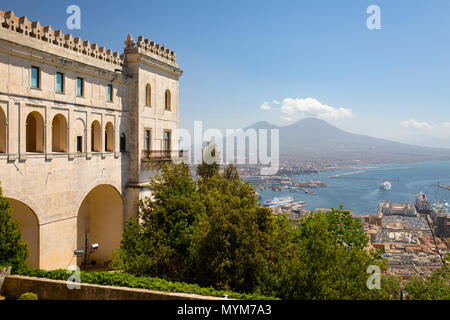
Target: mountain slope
{"x":314,"y":139}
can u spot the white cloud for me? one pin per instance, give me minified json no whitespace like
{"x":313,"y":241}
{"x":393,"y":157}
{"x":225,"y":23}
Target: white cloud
{"x":416,"y":124}
{"x":265,"y":106}
{"x":311,"y":107}
{"x":446,"y":124}
{"x":286,"y":118}
{"x":276,"y":102}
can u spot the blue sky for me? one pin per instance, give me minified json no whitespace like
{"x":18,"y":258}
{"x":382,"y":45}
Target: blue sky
{"x":301,"y":58}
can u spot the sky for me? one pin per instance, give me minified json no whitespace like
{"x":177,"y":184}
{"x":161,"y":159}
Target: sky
{"x":280,"y":61}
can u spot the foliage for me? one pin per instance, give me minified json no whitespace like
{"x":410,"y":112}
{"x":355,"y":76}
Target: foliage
{"x":128,"y":280}
{"x":160,"y":243}
{"x":230,"y":246}
{"x":28,"y":296}
{"x":13,"y":250}
{"x":206,"y":169}
{"x":214,"y":233}
{"x":317,"y":264}
{"x":436,"y":287}
{"x":392,"y":286}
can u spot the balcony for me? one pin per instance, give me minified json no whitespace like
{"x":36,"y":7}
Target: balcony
{"x":163,"y":155}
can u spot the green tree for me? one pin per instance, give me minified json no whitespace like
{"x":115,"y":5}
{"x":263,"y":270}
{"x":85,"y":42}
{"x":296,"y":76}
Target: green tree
{"x":208,"y":169}
{"x":13,"y":250}
{"x":317,"y":264}
{"x":436,"y":287}
{"x":231,"y":246}
{"x":158,"y":243}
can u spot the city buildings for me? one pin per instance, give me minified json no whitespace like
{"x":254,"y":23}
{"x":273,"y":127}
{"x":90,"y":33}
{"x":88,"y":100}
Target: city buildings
{"x":80,"y":127}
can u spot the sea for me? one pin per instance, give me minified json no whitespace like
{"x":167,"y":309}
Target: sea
{"x":358,"y":190}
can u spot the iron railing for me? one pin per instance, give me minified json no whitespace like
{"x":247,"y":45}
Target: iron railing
{"x":162,"y":155}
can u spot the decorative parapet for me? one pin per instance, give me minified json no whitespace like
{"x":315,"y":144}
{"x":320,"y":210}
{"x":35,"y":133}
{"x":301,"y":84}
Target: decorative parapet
{"x":150,"y":48}
{"x":45,"y":33}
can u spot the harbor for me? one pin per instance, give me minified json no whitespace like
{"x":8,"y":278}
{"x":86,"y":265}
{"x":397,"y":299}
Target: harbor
{"x":363,"y":195}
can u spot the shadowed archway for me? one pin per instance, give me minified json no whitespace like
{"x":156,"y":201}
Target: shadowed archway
{"x":29,"y":225}
{"x":100,"y":217}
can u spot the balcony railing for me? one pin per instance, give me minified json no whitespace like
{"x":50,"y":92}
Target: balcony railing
{"x":162,"y":155}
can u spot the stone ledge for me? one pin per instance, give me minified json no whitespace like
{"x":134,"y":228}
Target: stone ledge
{"x":47,"y":289}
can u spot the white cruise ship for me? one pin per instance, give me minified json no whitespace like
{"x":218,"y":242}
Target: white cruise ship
{"x":385,"y":186}
{"x":278,"y":201}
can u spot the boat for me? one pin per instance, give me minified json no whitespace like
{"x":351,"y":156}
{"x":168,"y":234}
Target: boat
{"x":386,"y":185}
{"x":441,"y":208}
{"x":278,"y":201}
{"x":422,"y":203}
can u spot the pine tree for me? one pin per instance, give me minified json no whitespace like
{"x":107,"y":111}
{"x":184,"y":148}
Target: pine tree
{"x":13,"y":250}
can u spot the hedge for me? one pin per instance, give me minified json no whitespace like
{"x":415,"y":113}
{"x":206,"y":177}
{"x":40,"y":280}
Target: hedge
{"x":122,"y":279}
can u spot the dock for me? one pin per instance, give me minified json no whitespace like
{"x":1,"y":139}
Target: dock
{"x":444,"y":186}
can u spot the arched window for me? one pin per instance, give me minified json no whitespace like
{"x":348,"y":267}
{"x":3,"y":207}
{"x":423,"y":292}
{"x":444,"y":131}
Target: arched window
{"x":2,"y":131}
{"x":95,"y":136}
{"x":109,"y":137}
{"x":168,"y":102}
{"x":59,"y":134}
{"x":148,"y":95}
{"x":123,"y":142}
{"x":35,"y":132}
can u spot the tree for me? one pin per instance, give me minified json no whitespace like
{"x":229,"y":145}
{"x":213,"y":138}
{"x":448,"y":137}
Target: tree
{"x":231,"y":244}
{"x":13,"y":250}
{"x":214,"y":233}
{"x":436,"y":287}
{"x":158,"y":243}
{"x":316,"y":264}
{"x":210,"y":168}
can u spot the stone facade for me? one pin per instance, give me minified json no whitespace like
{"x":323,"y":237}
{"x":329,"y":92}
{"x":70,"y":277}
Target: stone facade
{"x":73,"y":139}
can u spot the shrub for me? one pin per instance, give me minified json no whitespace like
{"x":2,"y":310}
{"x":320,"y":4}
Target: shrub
{"x":28,"y":296}
{"x":121,"y":279}
{"x":13,"y":250}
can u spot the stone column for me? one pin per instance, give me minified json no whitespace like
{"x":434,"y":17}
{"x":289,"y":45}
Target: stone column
{"x":12,"y":129}
{"x":88,"y":135}
{"x":48,"y":142}
{"x":22,"y":131}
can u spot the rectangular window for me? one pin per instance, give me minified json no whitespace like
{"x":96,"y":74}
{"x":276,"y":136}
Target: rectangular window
{"x":80,"y":87}
{"x":167,"y":140}
{"x":110,"y":92}
{"x":79,"y":144}
{"x":59,"y":82}
{"x":147,"y":141}
{"x":35,"y":81}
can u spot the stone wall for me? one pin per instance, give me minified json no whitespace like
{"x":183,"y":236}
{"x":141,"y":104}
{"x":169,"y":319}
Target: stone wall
{"x":47,"y":289}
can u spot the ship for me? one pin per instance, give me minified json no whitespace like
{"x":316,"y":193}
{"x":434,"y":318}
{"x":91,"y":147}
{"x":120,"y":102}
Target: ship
{"x":278,"y":201}
{"x":422,"y":203}
{"x":386,"y":185}
{"x":441,"y":208}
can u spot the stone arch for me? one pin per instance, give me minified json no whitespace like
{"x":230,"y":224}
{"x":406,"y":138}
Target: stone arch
{"x":148,"y":95}
{"x":95,"y":136}
{"x":100,"y":217}
{"x":35,"y":132}
{"x":29,"y":224}
{"x":59,"y":133}
{"x":2,"y":131}
{"x":168,"y":100}
{"x":109,"y":137}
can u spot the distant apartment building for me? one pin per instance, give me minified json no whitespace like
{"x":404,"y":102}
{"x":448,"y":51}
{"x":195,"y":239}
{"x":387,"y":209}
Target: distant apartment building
{"x":79,"y":126}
